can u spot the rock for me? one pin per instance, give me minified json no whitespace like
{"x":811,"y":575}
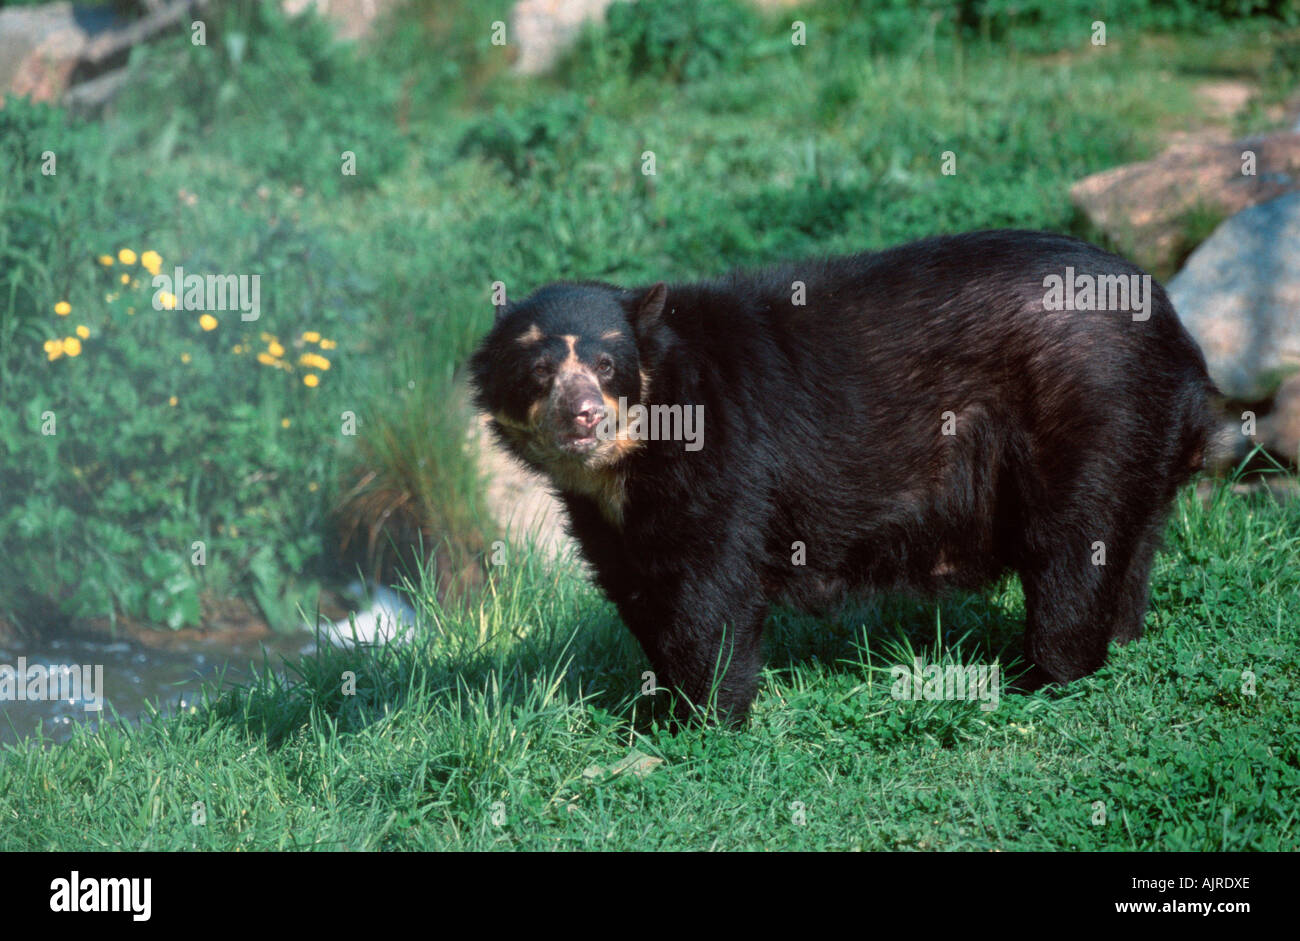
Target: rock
{"x":1279,"y":431}
{"x":541,"y":30}
{"x":352,"y":19}
{"x":1144,"y":206}
{"x":41,"y":46}
{"x":45,"y":50}
{"x":1239,"y":295}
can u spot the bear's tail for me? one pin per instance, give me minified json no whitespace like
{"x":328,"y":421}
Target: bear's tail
{"x":1198,"y":446}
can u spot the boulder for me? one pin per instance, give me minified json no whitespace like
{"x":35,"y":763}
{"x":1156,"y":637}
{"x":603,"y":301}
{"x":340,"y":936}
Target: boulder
{"x":1239,"y":295}
{"x":40,"y":47}
{"x":542,"y":30}
{"x":351,"y":19}
{"x":45,"y":50}
{"x":1279,"y":431}
{"x":1144,"y":207}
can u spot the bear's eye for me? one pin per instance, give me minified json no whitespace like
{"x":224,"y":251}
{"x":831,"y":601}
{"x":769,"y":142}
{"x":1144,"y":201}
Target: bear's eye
{"x":542,"y":370}
{"x":605,"y":367}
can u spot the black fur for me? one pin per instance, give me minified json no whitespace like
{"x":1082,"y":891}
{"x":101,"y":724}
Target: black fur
{"x":824,"y":426}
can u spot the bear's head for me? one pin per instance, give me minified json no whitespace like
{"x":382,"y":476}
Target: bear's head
{"x":560,"y":369}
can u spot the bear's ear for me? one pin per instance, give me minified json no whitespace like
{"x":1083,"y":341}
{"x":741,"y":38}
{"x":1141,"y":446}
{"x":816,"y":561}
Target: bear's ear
{"x":650,"y":309}
{"x":501,"y":311}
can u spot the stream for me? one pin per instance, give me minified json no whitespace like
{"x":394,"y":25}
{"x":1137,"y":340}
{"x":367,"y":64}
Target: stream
{"x":126,"y":675}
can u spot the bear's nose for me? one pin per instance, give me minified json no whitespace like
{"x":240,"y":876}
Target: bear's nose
{"x":587,"y":412}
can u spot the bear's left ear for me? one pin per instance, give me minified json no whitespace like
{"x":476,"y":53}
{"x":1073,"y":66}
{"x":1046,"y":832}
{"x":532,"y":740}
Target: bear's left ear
{"x":650,"y":309}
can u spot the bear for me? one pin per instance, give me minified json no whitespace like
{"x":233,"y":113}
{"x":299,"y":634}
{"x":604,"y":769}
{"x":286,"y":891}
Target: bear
{"x":918,"y":419}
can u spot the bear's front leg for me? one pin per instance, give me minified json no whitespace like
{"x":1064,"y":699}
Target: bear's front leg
{"x":705,"y":643}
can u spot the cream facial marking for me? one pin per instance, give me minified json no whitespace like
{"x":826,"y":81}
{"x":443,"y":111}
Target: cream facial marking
{"x":571,"y":362}
{"x":530,"y":336}
{"x":611,"y":334}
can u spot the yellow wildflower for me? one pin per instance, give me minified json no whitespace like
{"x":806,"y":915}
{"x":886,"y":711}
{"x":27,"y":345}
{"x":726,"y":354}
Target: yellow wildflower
{"x":284,"y":423}
{"x":311,"y":380}
{"x":313,"y":486}
{"x":151,"y":261}
{"x":63,"y":308}
{"x":172,"y":401}
{"x":311,"y":336}
{"x":168,"y":300}
{"x":83,"y":331}
{"x":208,"y":322}
{"x":266,"y":359}
{"x":54,"y":349}
{"x":275,"y":349}
{"x":72,"y":346}
{"x":185,"y":357}
{"x":106,"y":260}
{"x":126,"y":256}
{"x":327,"y":344}
{"x":125,"y":279}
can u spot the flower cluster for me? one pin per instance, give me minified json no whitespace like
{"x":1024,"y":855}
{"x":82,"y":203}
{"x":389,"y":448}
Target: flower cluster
{"x":70,"y":345}
{"x":311,"y":363}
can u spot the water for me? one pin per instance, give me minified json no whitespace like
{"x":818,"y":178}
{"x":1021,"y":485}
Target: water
{"x":132,"y":675}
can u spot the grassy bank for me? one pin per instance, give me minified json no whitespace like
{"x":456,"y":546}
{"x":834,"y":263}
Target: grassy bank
{"x":518,"y":712}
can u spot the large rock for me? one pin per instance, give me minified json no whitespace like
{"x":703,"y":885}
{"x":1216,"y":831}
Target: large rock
{"x":1239,"y":295}
{"x":1144,"y":206}
{"x":1280,"y":430}
{"x":41,"y":46}
{"x":351,"y":19}
{"x":542,"y":30}
{"x":46,"y":50}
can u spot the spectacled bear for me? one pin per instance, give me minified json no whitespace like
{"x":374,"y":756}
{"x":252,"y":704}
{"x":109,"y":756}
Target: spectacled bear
{"x":916,"y":419}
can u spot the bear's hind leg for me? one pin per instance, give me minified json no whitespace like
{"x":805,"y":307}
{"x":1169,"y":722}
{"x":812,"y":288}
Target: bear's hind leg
{"x":1134,"y":590}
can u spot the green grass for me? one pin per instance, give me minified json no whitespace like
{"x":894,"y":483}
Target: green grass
{"x":525,"y":705}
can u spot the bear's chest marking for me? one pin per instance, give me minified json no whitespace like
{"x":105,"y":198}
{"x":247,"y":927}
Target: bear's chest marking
{"x":605,"y":487}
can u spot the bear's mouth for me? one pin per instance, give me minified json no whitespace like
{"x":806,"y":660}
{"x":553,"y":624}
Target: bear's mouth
{"x":576,"y":442}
